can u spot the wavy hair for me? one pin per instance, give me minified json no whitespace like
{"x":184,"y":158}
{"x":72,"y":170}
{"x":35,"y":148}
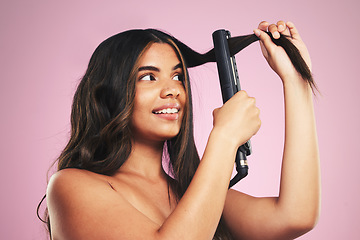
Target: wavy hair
{"x":100,"y":139}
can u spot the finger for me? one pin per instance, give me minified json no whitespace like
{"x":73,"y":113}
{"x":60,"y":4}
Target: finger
{"x":293,"y":31}
{"x":252,"y":100}
{"x":282,"y":28}
{"x":265,"y":41}
{"x":273,"y":29}
{"x":263,"y":25}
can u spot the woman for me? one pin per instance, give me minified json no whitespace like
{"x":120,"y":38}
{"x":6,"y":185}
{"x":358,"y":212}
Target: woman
{"x":134,"y":99}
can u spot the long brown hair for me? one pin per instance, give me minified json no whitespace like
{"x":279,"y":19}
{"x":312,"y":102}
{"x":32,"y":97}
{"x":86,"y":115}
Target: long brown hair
{"x":100,"y":139}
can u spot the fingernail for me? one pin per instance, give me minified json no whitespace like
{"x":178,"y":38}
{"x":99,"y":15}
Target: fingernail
{"x":257,"y":32}
{"x":276,"y":35}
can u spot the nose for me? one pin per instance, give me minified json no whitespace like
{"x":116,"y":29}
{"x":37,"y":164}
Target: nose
{"x":170,"y":90}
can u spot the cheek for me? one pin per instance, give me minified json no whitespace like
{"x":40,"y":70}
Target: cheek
{"x":143,"y":104}
{"x":142,"y":98}
{"x":139,"y":106}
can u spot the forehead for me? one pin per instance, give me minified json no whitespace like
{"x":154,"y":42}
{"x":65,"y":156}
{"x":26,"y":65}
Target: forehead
{"x":159,"y":54}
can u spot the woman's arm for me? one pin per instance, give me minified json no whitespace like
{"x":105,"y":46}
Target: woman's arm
{"x":296,"y":209}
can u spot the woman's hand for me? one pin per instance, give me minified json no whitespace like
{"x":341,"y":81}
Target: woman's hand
{"x":295,"y":211}
{"x":238,"y":119}
{"x":276,"y":55}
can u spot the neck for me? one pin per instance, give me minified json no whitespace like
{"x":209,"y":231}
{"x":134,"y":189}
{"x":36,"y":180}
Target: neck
{"x":145,"y":160}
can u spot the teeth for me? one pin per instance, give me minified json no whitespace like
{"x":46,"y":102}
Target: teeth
{"x":168,"y":110}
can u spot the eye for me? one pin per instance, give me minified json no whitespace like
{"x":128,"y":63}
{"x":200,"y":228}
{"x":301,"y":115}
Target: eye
{"x":179,"y":77}
{"x":147,"y":77}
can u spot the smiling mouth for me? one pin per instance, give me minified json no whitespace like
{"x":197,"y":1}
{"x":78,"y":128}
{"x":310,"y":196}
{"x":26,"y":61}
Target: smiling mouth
{"x":167,"y":111}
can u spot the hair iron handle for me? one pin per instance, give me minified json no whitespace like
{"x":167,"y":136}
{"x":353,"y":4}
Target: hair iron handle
{"x":230,"y":84}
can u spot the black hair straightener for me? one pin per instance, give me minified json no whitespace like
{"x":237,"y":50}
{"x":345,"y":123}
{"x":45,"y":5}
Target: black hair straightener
{"x":230,"y":84}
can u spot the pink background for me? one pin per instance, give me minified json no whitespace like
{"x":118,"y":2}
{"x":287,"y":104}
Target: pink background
{"x":45,"y":48}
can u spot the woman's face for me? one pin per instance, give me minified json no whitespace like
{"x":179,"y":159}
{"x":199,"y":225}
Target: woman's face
{"x":160,"y":95}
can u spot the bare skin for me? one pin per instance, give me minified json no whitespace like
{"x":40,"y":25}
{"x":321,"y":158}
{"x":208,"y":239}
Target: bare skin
{"x":134,"y":203}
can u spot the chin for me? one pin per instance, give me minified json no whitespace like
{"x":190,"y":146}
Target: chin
{"x":169,"y":136}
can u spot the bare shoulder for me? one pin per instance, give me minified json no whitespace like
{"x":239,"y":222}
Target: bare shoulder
{"x":68,"y":179}
{"x":71,"y":183}
{"x":83,"y":205}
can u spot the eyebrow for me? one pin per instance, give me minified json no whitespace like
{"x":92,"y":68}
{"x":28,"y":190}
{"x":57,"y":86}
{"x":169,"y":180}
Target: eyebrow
{"x":152,"y":68}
